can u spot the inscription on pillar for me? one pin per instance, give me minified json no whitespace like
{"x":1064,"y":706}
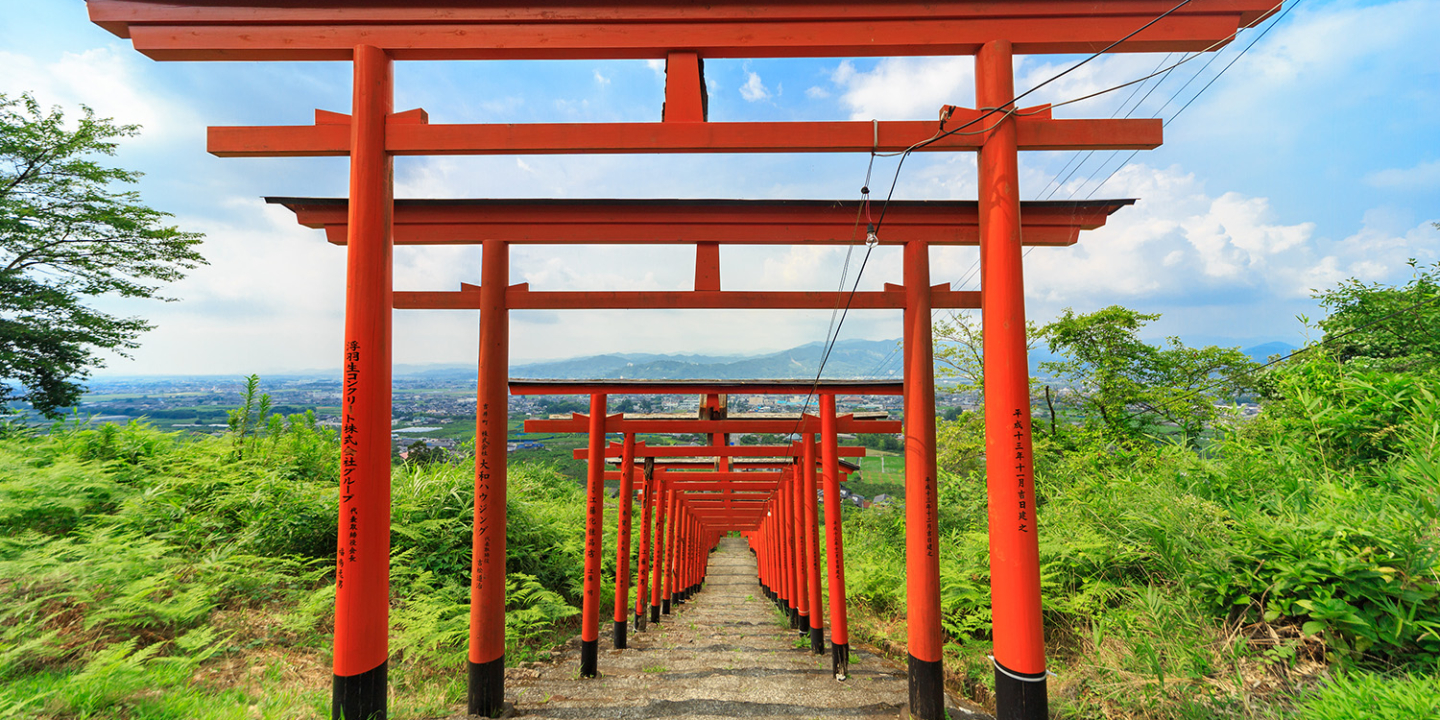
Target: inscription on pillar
{"x":1024,"y":519}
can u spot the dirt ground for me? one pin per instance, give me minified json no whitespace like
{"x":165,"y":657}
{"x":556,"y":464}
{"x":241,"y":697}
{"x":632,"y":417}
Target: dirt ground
{"x":724,"y":654}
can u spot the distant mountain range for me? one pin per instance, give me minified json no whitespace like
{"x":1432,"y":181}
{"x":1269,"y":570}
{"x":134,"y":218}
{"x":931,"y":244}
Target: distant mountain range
{"x":849,"y":359}
{"x":1263,"y":353}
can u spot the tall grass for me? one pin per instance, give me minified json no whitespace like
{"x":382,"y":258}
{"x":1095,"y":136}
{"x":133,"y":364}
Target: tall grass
{"x":1301,"y":545}
{"x":150,"y":575}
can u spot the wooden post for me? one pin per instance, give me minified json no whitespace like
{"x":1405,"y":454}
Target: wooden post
{"x":1020,"y":673}
{"x":622,"y":542}
{"x":642,"y":574}
{"x":487,"y":565}
{"x":922,"y":558}
{"x":362,"y":564}
{"x":671,"y":543}
{"x":812,"y":547}
{"x":657,"y":586}
{"x":594,"y":517}
{"x":802,"y":569}
{"x":839,"y":621}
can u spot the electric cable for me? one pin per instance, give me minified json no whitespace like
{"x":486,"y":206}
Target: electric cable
{"x":1261,"y":35}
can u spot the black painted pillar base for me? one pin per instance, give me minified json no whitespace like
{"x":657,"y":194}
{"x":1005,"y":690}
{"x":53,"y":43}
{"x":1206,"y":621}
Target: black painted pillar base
{"x":487,"y":687}
{"x":794,"y":618}
{"x":655,"y":613}
{"x":1019,"y":699}
{"x":927,"y":689}
{"x":360,"y":697}
{"x":640,"y":621}
{"x":817,"y":640}
{"x":677,"y":597}
{"x":840,"y":660}
{"x":619,"y":634}
{"x":804,"y":624}
{"x":665,"y":606}
{"x":589,"y":655}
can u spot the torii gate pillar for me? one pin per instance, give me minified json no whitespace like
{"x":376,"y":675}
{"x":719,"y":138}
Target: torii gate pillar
{"x":362,"y":563}
{"x":1009,"y":468}
{"x":487,"y":565}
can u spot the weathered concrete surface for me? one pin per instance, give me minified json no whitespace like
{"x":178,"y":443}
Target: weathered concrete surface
{"x":724,"y":654}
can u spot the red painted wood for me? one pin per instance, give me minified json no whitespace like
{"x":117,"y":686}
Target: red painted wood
{"x":922,"y":551}
{"x":785,"y":222}
{"x":680,"y":300}
{"x":795,"y":480}
{"x":684,"y":88}
{"x":812,"y":531}
{"x":622,"y":544}
{"x":1009,"y":464}
{"x":642,"y":574}
{"x":594,"y":517}
{"x":580,"y":423}
{"x":487,"y":583}
{"x":834,"y":536}
{"x":436,"y":31}
{"x":662,"y":508}
{"x":735,"y":451}
{"x":362,"y":585}
{"x":1035,"y":133}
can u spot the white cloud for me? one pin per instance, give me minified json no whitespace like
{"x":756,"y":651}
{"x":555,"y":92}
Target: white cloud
{"x":754,"y":90}
{"x":601,"y":79}
{"x":1327,"y":62}
{"x":1181,"y":244}
{"x":817,"y":93}
{"x":271,"y":298}
{"x":1423,"y":176}
{"x":906,"y":88}
{"x":109,"y":81}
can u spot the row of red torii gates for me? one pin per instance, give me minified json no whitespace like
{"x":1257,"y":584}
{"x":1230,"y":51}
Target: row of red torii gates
{"x":769,"y":493}
{"x":372,"y":34}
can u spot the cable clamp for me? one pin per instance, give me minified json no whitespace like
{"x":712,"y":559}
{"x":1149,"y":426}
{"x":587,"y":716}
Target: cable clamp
{"x":871,"y":237}
{"x":1022,"y":678}
{"x":945,"y":112}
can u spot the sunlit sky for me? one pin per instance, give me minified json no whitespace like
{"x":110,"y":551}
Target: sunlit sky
{"x":1314,"y":158}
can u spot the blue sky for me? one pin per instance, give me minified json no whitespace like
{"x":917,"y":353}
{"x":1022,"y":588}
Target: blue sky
{"x":1315,"y":158}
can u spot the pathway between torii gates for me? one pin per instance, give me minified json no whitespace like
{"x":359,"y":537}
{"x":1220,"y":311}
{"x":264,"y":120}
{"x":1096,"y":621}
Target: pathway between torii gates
{"x":724,"y":654}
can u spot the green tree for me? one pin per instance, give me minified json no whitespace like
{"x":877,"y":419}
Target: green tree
{"x":1385,"y":327}
{"x":1129,"y":387}
{"x":70,"y":231}
{"x":960,"y":355}
{"x":960,"y":350}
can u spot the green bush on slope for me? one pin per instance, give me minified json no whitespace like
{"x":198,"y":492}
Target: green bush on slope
{"x":129,"y":557}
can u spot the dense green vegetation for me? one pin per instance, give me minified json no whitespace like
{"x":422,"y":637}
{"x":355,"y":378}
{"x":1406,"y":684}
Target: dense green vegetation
{"x":1285,"y":565}
{"x":155,"y":575}
{"x":1290,"y":568}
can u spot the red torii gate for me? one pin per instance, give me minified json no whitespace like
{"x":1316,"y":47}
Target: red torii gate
{"x":722,"y":501}
{"x":715,"y":421}
{"x":373,"y":33}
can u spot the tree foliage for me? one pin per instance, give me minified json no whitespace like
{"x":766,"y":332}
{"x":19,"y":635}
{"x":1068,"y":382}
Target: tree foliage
{"x":1385,"y":327}
{"x":960,"y":350}
{"x":1128,"y":386}
{"x":69,"y":231}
